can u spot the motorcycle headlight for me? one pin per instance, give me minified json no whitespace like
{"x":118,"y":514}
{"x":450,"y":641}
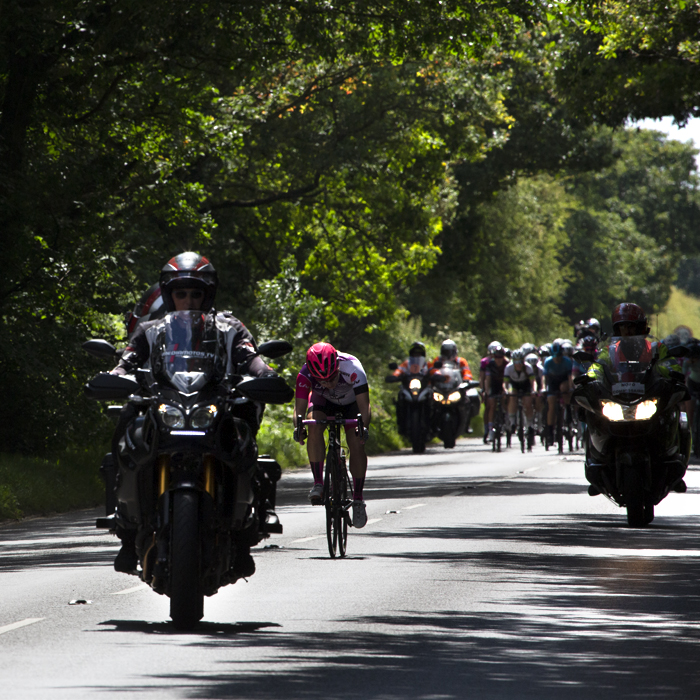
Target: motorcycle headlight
{"x":414,"y":384}
{"x":614,"y":411}
{"x":646,"y":409}
{"x":437,"y":397}
{"x":172,"y":416}
{"x":203,"y":417}
{"x":454,"y":397}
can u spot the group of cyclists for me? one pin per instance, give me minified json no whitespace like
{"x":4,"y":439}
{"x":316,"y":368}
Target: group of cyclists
{"x":333,"y":383}
{"x":537,"y":376}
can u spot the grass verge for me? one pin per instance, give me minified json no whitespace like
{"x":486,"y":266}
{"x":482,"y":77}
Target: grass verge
{"x":35,"y":486}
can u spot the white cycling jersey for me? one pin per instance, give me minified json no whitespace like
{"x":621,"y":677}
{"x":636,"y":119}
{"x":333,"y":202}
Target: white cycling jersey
{"x":526,"y":374}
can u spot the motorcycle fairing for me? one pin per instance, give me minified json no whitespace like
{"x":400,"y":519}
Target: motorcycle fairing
{"x":186,"y":351}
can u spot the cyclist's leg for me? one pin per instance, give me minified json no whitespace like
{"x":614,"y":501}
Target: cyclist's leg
{"x":316,"y":450}
{"x":488,"y":414}
{"x":512,"y":410}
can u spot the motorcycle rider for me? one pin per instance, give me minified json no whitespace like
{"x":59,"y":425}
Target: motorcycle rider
{"x":415,"y":365}
{"x":333,"y":383}
{"x":448,"y":353}
{"x":188,"y":282}
{"x":148,"y":307}
{"x":629,"y":319}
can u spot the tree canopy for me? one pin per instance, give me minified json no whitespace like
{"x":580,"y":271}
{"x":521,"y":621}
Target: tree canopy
{"x":343,"y":165}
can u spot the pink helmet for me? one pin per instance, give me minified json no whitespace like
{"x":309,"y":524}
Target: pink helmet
{"x":322,"y":361}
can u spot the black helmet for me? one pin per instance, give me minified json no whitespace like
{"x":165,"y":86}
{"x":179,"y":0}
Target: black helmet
{"x":417,"y":349}
{"x":448,"y":349}
{"x":191,"y":271}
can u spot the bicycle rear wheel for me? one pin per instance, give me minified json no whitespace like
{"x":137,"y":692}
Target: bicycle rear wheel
{"x":560,"y":434}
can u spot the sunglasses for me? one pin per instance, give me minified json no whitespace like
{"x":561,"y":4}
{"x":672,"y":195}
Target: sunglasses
{"x":195,"y":294}
{"x":330,"y":379}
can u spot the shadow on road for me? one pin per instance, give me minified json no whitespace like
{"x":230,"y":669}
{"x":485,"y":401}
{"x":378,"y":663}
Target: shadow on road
{"x":593,"y":610}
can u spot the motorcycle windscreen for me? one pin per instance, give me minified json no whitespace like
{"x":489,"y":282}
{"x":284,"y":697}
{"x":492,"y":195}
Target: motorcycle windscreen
{"x":417,"y":365}
{"x":186,"y":351}
{"x":448,"y":376}
{"x":629,"y":357}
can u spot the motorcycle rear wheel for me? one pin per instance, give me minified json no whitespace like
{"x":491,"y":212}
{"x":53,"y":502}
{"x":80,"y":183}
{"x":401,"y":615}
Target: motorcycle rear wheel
{"x":186,"y":596}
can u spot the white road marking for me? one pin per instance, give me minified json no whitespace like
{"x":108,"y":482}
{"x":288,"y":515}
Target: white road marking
{"x":417,"y":505}
{"x":308,"y":539}
{"x":51,"y":540}
{"x":21,"y":623}
{"x":133,"y":589}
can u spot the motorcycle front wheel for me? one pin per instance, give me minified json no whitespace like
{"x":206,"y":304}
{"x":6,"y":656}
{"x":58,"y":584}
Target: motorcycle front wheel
{"x":634,"y":498}
{"x":186,"y":597}
{"x":417,"y":437}
{"x":449,"y":431}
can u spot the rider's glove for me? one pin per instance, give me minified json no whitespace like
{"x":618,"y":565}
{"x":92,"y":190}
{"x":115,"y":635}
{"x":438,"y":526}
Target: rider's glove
{"x":300,"y":434}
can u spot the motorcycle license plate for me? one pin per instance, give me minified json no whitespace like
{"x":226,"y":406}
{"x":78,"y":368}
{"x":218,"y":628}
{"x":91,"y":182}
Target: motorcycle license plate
{"x":628,"y":388}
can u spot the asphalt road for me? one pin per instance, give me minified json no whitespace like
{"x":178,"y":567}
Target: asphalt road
{"x":478,"y":576}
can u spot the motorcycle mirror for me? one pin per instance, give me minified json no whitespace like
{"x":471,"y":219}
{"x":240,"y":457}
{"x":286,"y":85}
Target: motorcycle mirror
{"x":437,"y":364}
{"x":275,"y":348}
{"x":393,"y":366}
{"x":99,"y":348}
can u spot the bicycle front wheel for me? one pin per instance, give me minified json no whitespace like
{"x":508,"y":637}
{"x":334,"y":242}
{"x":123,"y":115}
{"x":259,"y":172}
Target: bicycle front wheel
{"x":328,"y":492}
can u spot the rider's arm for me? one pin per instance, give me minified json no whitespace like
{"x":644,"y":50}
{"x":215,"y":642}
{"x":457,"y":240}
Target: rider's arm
{"x":466,"y":371}
{"x":300,"y":406}
{"x":302,"y":393}
{"x":364,"y":408}
{"x":401,"y":369}
{"x":135,"y":353}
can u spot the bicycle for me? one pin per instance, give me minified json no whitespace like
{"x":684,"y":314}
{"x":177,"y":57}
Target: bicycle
{"x":559,"y":428}
{"x":498,"y":426}
{"x":526,"y":438}
{"x":336,"y":490}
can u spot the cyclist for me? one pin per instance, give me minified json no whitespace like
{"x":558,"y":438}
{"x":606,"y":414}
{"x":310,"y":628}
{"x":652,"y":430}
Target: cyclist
{"x":493,"y":385}
{"x":519,"y":378}
{"x":557,"y":376}
{"x":483,"y":367}
{"x":333,"y":383}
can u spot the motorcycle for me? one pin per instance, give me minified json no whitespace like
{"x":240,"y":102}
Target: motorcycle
{"x":413,"y":403}
{"x":637,"y":440}
{"x":190,"y":487}
{"x":452,"y":408}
